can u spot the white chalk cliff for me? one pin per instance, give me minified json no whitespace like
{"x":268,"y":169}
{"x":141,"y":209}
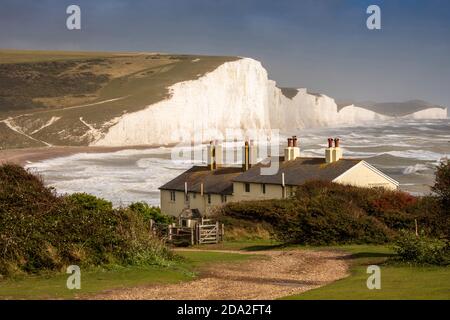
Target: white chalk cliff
{"x":236,"y":95}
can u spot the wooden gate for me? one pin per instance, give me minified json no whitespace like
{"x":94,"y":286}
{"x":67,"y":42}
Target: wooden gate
{"x":205,"y":231}
{"x":181,"y":235}
{"x":209,"y":232}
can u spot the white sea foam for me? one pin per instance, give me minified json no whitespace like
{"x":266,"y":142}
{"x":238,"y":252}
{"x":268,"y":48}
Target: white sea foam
{"x":418,"y":154}
{"x":417,"y":168}
{"x":136,"y":174}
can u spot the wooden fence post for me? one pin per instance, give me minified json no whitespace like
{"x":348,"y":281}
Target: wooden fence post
{"x":217,"y":232}
{"x":197,"y":233}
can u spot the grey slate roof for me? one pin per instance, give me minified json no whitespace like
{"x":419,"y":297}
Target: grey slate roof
{"x":218,"y":181}
{"x":296,"y":172}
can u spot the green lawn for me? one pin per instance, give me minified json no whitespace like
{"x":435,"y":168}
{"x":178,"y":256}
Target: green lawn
{"x":244,"y":245}
{"x":97,"y":280}
{"x":397,"y":281}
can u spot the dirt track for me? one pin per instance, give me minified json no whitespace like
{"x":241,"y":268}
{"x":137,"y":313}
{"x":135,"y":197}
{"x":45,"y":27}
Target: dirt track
{"x":277,"y":274}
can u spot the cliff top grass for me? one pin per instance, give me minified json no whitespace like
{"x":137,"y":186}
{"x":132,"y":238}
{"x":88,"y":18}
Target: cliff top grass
{"x":38,"y":86}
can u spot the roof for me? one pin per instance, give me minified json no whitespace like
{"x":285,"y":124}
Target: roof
{"x":219,"y":181}
{"x":298,"y":171}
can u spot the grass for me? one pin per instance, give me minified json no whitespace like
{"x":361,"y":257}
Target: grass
{"x":30,"y":56}
{"x":53,"y":286}
{"x":69,"y":82}
{"x":397,"y":281}
{"x":244,"y":245}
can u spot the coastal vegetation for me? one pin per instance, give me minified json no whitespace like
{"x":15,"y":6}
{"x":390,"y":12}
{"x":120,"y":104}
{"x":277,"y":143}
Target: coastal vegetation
{"x":41,"y":231}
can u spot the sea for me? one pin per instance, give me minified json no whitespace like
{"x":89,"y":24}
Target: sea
{"x":406,"y":150}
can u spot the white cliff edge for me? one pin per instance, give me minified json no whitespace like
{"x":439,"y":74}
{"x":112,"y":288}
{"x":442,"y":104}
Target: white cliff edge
{"x":236,"y":95}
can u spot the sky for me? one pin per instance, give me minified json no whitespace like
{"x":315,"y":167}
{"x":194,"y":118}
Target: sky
{"x":323,"y":45}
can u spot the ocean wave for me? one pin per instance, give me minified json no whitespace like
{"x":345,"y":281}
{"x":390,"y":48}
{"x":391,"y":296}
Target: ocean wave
{"x":417,"y":168}
{"x":418,"y":154}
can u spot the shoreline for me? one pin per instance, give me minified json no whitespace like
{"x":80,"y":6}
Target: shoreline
{"x":22,"y":156}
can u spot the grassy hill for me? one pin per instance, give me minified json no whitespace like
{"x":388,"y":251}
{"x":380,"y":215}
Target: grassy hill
{"x":58,"y":98}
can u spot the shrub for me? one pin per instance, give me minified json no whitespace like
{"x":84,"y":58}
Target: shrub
{"x":329,"y":213}
{"x":422,"y":249}
{"x":89,"y":202}
{"x":442,"y":184}
{"x":239,"y":229}
{"x":42,"y":231}
{"x":149,"y":212}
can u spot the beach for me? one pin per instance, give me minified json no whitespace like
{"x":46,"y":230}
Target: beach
{"x":28,"y":155}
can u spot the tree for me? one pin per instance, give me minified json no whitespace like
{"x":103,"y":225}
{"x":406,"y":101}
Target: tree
{"x":149,"y":212}
{"x":442,"y":185}
{"x":89,"y":202}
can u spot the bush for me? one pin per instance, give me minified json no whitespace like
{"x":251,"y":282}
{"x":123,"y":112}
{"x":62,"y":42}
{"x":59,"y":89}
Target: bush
{"x":89,"y":202}
{"x":442,"y":184}
{"x":149,"y":212}
{"x":42,"y":231}
{"x":329,"y":213}
{"x":422,"y":249}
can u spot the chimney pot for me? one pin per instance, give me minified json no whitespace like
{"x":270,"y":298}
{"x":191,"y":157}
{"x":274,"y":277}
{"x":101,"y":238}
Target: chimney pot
{"x":294,"y":141}
{"x":246,"y":156}
{"x":330,"y":143}
{"x":336,"y":142}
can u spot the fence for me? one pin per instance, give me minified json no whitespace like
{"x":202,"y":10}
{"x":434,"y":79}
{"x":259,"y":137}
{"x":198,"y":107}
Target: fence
{"x":209,"y":232}
{"x":205,"y":231}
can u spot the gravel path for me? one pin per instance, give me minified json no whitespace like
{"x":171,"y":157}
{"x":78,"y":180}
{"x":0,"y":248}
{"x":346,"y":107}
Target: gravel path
{"x":277,"y":274}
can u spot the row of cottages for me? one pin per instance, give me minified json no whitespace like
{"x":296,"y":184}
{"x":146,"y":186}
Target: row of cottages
{"x":204,"y":187}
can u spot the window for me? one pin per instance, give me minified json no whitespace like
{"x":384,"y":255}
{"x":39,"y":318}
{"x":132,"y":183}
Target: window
{"x":194,"y":195}
{"x":223,"y":198}
{"x":172,"y":196}
{"x":209,"y":199}
{"x":186,"y":197}
{"x":263,"y":188}
{"x":247,"y":187}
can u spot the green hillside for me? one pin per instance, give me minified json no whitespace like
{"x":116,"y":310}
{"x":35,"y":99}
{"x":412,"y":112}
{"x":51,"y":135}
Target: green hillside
{"x":58,"y":97}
